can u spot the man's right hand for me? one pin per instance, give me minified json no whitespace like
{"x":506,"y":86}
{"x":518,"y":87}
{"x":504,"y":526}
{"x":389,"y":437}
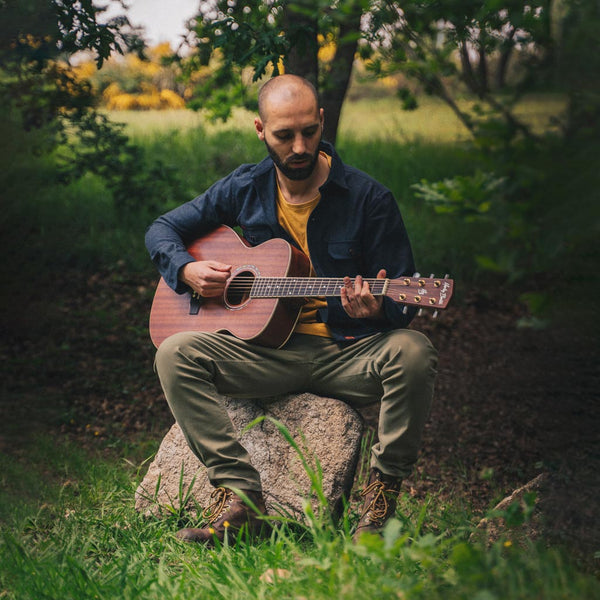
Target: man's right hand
{"x":206,"y":277}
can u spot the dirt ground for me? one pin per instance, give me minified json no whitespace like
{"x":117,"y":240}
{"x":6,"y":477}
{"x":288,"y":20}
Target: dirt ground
{"x":511,"y":402}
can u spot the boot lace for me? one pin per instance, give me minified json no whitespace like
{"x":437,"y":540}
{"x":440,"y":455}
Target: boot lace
{"x":377,"y":509}
{"x":221,"y":500}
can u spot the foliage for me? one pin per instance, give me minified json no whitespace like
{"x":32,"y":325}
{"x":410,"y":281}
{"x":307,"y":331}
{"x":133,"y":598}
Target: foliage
{"x":247,"y":40}
{"x":151,"y":99}
{"x":470,"y":197}
{"x":232,"y":39}
{"x":40,"y":91}
{"x":435,"y":44}
{"x":578,"y":66}
{"x":486,"y":198}
{"x":423,"y":40}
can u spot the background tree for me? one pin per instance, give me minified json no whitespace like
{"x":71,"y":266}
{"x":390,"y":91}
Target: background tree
{"x":268,"y":37}
{"x":438,"y":44}
{"x":576,"y":35}
{"x":446,"y":48}
{"x":558,"y":48}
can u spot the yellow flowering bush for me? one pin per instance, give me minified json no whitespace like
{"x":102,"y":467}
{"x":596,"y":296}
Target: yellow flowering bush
{"x":151,"y":99}
{"x":169,"y":99}
{"x":130,"y":83}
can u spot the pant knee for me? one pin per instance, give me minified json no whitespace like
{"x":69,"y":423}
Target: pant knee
{"x":420,"y":351}
{"x":171,"y":351}
{"x":414,"y":354}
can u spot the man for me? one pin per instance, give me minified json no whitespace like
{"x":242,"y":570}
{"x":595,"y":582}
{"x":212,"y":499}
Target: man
{"x":354,"y":347}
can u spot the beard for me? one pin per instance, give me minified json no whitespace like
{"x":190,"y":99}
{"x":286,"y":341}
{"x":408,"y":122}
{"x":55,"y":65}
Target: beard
{"x":294,"y":173}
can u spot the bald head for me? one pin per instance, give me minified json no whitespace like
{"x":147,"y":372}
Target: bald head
{"x":284,"y":89}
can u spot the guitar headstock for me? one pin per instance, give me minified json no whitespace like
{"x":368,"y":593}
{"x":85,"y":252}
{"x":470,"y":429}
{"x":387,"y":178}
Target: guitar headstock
{"x":424,"y":292}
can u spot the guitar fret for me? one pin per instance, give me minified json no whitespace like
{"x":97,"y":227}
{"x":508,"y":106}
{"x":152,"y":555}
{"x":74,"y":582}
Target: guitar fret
{"x":286,"y":289}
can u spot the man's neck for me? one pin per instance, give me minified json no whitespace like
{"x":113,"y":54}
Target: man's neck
{"x":298,"y":192}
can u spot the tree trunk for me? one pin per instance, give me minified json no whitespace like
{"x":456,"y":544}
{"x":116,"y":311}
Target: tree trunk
{"x":482,"y":72}
{"x":467,"y":70}
{"x":301,"y":29}
{"x":335,"y":84}
{"x":505,"y":53}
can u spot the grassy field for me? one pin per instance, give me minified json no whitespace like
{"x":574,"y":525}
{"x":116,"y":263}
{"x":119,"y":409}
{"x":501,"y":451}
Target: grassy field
{"x":365,"y":119}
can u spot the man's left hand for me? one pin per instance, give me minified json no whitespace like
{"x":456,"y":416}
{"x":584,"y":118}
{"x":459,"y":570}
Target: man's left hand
{"x":358,"y":301}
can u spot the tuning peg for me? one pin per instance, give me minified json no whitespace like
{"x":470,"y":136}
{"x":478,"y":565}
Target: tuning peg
{"x":405,"y":309}
{"x":432,"y":276}
{"x":420,"y":312}
{"x":435,"y":314}
{"x":446,"y":276}
{"x":416,"y":274}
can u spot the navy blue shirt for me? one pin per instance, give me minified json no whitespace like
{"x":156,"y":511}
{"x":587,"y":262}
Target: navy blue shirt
{"x":356,"y":229}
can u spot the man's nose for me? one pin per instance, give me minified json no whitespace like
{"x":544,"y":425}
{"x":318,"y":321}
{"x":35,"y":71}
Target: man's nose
{"x":299,"y":145}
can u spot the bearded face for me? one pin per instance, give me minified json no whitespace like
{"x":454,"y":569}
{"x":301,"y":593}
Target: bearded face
{"x":296,"y":167}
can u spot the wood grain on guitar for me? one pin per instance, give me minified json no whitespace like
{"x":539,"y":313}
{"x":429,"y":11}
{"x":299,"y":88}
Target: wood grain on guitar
{"x":265,"y":292}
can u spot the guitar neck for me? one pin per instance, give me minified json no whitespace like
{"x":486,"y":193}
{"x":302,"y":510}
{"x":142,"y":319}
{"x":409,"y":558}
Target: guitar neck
{"x":307,"y":287}
{"x":417,"y":291}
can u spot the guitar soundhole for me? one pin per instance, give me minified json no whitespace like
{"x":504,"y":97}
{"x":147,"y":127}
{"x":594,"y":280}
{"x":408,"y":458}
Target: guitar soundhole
{"x":237,"y":292}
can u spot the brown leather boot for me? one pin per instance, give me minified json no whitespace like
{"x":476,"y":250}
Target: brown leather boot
{"x":381,"y":495}
{"x":226,"y":516}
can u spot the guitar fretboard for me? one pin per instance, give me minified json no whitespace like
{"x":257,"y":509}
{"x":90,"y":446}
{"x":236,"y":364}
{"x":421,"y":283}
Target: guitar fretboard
{"x":305,"y":287}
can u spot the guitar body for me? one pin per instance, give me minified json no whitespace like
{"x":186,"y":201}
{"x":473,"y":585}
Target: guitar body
{"x":265,"y":292}
{"x":265,"y":321}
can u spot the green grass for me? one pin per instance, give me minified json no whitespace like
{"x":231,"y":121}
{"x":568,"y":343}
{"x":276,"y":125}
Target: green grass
{"x":69,"y":530}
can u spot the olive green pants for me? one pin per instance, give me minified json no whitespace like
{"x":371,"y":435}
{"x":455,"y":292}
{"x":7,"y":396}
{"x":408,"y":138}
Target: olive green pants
{"x":396,"y":368}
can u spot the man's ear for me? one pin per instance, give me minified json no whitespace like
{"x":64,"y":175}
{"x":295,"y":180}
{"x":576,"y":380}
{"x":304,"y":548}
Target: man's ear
{"x":260,"y":129}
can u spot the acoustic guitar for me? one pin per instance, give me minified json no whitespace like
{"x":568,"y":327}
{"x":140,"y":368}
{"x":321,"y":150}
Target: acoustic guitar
{"x":266,"y":290}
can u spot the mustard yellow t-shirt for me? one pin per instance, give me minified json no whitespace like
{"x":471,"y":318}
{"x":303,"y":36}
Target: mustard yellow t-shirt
{"x":293,"y":218}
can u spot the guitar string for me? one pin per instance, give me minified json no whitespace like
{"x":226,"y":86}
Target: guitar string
{"x":309,"y":279}
{"x":288,"y":286}
{"x":313,"y":282}
{"x":265,"y":283}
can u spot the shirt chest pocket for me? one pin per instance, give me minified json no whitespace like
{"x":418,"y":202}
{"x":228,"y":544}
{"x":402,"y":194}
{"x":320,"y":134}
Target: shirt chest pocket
{"x":346,"y":255}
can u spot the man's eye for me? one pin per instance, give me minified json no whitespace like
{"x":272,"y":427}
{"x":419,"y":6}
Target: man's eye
{"x":310,"y":132}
